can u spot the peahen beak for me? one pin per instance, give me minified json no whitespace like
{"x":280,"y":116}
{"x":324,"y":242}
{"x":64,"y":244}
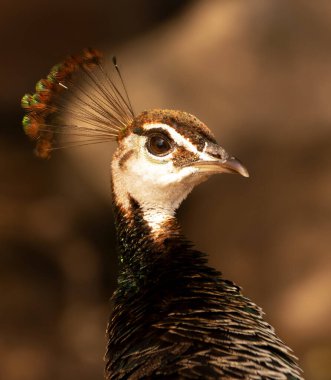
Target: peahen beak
{"x":230,"y":165}
{"x":233,"y":165}
{"x":217,"y":160}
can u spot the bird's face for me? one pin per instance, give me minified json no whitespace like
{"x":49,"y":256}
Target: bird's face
{"x":162,"y":156}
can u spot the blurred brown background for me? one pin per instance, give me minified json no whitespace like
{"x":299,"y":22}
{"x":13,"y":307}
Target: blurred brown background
{"x":259,"y":74}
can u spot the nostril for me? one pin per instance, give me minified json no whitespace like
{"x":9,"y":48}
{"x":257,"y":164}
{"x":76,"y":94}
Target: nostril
{"x":216,"y":155}
{"x":216,"y":151}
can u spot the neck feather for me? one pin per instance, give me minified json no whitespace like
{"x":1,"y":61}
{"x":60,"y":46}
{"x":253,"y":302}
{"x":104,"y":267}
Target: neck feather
{"x":144,"y":254}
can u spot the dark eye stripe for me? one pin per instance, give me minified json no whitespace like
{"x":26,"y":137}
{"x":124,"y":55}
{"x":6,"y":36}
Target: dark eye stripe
{"x":183,"y":157}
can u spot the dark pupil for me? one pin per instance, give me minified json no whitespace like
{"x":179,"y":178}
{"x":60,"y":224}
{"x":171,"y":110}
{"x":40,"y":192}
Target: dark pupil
{"x":158,"y":145}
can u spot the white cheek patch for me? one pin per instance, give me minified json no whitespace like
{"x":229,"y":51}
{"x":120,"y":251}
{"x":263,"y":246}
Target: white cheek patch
{"x":155,"y":183}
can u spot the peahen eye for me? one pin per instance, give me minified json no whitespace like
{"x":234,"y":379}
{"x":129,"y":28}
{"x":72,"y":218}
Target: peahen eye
{"x":159,"y":145}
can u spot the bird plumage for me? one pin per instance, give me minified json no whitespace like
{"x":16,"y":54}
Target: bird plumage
{"x":174,"y":317}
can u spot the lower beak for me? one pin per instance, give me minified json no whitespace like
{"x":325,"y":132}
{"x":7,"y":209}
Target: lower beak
{"x":230,"y":165}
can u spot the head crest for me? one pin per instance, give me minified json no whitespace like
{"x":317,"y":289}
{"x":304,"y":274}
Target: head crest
{"x":78,"y":99}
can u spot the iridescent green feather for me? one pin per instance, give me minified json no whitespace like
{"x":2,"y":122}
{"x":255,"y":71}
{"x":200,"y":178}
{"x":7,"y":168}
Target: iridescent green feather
{"x":26,"y":101}
{"x":26,"y":122}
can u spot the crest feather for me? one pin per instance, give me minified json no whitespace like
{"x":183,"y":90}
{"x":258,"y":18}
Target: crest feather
{"x":80,"y":100}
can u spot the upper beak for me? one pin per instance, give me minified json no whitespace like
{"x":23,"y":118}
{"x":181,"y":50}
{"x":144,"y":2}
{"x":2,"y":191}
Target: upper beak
{"x":229,"y":165}
{"x":216,"y":160}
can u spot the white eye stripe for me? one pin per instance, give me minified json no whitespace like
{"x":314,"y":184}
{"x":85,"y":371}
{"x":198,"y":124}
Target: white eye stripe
{"x":180,"y":140}
{"x":177,"y":137}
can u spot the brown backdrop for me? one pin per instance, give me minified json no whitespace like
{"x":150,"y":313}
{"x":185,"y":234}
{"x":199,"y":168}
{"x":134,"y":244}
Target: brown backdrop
{"x":259,"y":74}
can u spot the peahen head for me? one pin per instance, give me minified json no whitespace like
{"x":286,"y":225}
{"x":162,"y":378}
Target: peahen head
{"x":161,"y":154}
{"x":160,"y":157}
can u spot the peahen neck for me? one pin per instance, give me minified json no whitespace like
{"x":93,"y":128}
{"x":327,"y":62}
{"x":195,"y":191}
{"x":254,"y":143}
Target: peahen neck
{"x":168,"y":299}
{"x":147,"y":254}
